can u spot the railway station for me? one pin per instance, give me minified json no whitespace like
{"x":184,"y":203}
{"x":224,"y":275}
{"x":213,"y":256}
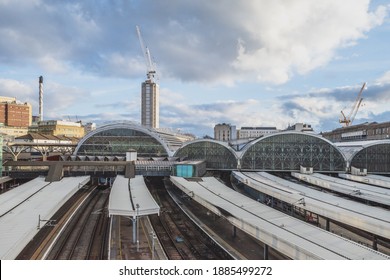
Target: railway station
{"x":151,"y":194}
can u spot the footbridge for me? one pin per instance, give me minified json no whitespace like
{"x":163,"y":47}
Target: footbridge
{"x":55,"y":170}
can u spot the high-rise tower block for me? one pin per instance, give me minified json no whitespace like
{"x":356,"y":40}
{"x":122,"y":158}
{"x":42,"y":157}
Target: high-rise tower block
{"x":150,"y":90}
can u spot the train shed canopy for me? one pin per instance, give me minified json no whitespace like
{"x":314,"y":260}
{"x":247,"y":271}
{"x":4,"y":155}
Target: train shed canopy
{"x":115,"y":139}
{"x":217,"y":154}
{"x":288,"y":151}
{"x":374,"y":156}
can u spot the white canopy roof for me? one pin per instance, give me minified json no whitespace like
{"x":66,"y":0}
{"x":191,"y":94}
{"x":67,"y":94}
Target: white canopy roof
{"x":126,"y":194}
{"x":22,"y":206}
{"x":289,"y":235}
{"x":372,"y":219}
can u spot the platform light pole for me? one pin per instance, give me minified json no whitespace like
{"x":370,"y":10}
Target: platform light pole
{"x":137,"y":206}
{"x":153,"y":242}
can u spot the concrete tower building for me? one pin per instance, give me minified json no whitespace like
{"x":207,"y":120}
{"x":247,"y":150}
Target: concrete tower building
{"x":150,"y":104}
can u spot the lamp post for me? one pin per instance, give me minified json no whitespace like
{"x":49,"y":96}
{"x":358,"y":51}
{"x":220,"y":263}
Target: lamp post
{"x":153,"y":242}
{"x":137,"y":206}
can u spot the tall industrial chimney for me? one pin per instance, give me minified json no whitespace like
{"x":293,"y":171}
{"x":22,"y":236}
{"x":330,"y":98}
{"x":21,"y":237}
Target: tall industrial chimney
{"x":40,"y":98}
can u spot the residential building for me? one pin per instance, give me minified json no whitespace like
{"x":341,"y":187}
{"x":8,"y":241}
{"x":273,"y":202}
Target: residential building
{"x":15,"y":116}
{"x":14,"y":113}
{"x":303,"y":127}
{"x":225,"y":132}
{"x":88,"y":127}
{"x":360,"y":132}
{"x":255,"y":132}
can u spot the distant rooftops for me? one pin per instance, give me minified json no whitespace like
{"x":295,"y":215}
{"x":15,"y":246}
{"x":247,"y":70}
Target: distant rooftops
{"x":44,"y":138}
{"x":58,"y":122}
{"x":6,"y":99}
{"x":258,"y":128}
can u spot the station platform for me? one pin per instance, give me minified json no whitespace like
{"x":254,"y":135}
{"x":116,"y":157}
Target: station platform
{"x":130,"y":203}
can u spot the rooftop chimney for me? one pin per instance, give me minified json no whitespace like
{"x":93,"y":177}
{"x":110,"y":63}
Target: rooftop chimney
{"x":40,"y":98}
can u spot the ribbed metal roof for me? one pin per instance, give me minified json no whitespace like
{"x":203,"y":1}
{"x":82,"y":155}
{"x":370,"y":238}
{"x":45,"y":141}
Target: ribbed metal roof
{"x":126,"y":194}
{"x":349,"y":149}
{"x":349,"y":188}
{"x":371,"y":179}
{"x":286,"y":234}
{"x":359,"y":215}
{"x":171,"y":141}
{"x":24,"y":205}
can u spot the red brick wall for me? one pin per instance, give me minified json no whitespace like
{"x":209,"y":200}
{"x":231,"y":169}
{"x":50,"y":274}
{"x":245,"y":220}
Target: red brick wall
{"x":14,"y":114}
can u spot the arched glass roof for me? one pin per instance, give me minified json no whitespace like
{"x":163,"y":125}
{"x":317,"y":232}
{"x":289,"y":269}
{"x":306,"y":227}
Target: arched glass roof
{"x":287,"y":151}
{"x":375,"y":157}
{"x":116,"y":139}
{"x":218,"y":155}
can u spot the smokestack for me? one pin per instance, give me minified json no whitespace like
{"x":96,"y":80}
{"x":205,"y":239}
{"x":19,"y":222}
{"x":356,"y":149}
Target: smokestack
{"x":40,"y":98}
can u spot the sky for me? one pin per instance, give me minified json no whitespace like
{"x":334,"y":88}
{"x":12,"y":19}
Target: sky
{"x":247,"y":63}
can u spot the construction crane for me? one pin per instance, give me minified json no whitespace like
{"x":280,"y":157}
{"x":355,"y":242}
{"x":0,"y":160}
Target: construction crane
{"x":347,"y":120}
{"x":150,"y":67}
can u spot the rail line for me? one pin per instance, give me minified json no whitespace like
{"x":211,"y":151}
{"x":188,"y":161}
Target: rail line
{"x":85,"y":237}
{"x":179,"y":236}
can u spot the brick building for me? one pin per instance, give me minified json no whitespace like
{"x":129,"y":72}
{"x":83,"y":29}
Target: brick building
{"x":15,"y":117}
{"x":360,"y":132}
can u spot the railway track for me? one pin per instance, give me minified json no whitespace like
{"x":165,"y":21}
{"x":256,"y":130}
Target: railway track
{"x":37,"y":247}
{"x":85,"y":236}
{"x":178,"y":235}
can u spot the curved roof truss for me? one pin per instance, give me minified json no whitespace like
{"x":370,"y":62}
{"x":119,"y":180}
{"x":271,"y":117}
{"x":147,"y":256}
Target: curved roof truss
{"x":288,"y":151}
{"x":218,"y":155}
{"x":129,"y":126}
{"x":375,"y":157}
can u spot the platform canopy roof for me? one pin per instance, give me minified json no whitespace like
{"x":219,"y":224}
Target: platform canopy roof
{"x":27,"y":206}
{"x":294,"y":238}
{"x":375,"y":220}
{"x":126,"y":194}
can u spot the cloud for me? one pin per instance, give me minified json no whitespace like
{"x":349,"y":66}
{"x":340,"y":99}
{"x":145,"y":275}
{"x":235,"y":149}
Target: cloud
{"x":322,"y":107}
{"x":102,"y":117}
{"x":20,"y":90}
{"x":93,"y":46}
{"x":299,"y":36}
{"x":384,"y":79}
{"x":205,"y":41}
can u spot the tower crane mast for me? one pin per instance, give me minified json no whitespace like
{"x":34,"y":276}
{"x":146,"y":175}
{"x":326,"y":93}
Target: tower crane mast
{"x":347,"y":120}
{"x":150,"y":69}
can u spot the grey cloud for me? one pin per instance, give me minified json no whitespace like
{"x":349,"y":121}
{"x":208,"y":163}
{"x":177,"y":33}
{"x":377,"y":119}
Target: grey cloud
{"x":190,"y":40}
